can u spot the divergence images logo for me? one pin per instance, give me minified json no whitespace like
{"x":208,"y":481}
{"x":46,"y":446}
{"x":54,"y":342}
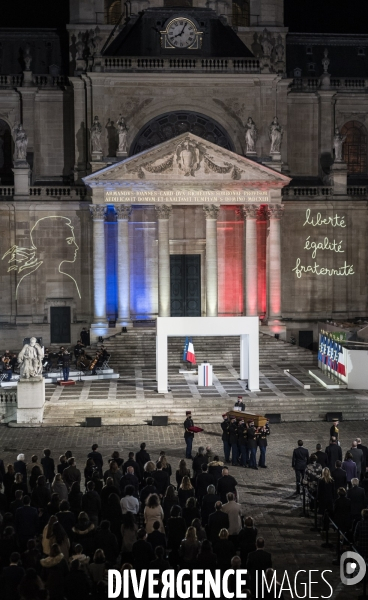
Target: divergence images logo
{"x":349,"y":563}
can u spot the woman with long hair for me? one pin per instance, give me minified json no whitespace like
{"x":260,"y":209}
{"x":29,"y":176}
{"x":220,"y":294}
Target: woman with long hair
{"x":153,"y":512}
{"x":165,"y":464}
{"x":325,"y":492}
{"x":89,"y":469}
{"x":75,"y":499}
{"x":129,"y":531}
{"x":224,"y":550}
{"x":206,"y":558}
{"x":201,"y":532}
{"x":60,"y":538}
{"x":186,"y":490}
{"x":169,"y":500}
{"x":18,"y":484}
{"x":47,"y":534}
{"x":148,"y":470}
{"x":181,"y":472}
{"x":191,"y":511}
{"x":97,"y":568}
{"x":84,"y":533}
{"x":189,"y":548}
{"x":59,"y":487}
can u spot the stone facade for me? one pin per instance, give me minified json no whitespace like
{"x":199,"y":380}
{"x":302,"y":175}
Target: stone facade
{"x":300,"y":261}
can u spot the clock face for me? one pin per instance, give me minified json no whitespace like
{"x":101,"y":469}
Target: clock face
{"x":181,"y":33}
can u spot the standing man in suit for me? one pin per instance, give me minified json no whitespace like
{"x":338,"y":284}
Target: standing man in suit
{"x":239,"y":404}
{"x":252,"y":436}
{"x":334,"y":453}
{"x":321,"y":456}
{"x":225,"y":426}
{"x":356,"y":496}
{"x":339,"y":476}
{"x":299,"y":464}
{"x":358,"y":457}
{"x":259,"y":560}
{"x":188,"y":435}
{"x":217,"y":521}
{"x":365,"y":456}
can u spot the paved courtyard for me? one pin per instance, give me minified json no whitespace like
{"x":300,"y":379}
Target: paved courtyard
{"x":266,"y":494}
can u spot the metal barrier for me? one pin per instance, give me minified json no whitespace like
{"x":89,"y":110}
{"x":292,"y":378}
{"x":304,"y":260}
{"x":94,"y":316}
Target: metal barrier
{"x":340,"y":536}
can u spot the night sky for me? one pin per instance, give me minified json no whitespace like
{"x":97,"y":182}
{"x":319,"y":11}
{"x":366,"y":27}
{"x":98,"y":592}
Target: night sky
{"x":330,"y":16}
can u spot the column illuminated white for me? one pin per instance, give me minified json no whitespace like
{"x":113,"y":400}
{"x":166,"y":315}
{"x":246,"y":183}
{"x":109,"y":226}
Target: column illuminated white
{"x":123,"y":213}
{"x":99,"y":264}
{"x":251,"y":260}
{"x":211,"y":260}
{"x":275,"y":212}
{"x":163,"y":215}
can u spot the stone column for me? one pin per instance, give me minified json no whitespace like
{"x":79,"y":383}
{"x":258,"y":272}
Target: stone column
{"x":99,"y":265}
{"x":163,"y":215}
{"x":123,"y":213}
{"x":211,"y":260}
{"x":251,"y":264}
{"x":275,"y":212}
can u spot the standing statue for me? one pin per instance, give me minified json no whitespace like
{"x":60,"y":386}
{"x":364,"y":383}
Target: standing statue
{"x":325,"y":61}
{"x":20,"y":142}
{"x":279,"y":49}
{"x":266,"y":43}
{"x":96,"y":131}
{"x":251,"y":135}
{"x":337,"y":143}
{"x":27,"y":57}
{"x":79,"y":46}
{"x":275,"y":132}
{"x":123,"y":134}
{"x":30,"y":359}
{"x":188,"y":157}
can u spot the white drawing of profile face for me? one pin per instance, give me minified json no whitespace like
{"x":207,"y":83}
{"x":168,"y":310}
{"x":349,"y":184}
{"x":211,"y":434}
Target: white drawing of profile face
{"x":52,"y":242}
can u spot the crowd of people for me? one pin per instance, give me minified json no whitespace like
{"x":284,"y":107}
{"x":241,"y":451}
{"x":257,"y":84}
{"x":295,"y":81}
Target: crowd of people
{"x":336,"y":486}
{"x":63,"y":527}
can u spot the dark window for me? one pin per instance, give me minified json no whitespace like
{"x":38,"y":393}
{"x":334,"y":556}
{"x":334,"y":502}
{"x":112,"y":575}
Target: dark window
{"x":240,"y":16}
{"x":355,"y":147}
{"x":6,"y":154}
{"x":165,"y":127}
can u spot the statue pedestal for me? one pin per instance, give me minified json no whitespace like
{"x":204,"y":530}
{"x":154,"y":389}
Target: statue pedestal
{"x":339,"y":175}
{"x":97,"y":165}
{"x":22,"y":174}
{"x":251,"y":154}
{"x":96,"y":156}
{"x":121,"y":154}
{"x":27,"y":78}
{"x":30,"y":401}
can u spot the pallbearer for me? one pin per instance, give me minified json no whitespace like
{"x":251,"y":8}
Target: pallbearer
{"x":225,"y":426}
{"x":262,"y":443}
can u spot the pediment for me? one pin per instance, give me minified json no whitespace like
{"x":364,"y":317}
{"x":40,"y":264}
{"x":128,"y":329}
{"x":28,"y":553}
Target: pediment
{"x":186,"y":162}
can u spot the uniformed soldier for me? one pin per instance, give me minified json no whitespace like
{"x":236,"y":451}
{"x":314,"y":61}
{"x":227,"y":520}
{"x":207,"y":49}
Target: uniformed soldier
{"x":233,"y":433}
{"x":225,"y":426}
{"x":334,"y":430}
{"x":252,"y":445}
{"x":262,"y":443}
{"x":188,"y":435}
{"x":242,"y":438}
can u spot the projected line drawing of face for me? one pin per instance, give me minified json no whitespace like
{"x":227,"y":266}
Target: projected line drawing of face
{"x":26,"y":261}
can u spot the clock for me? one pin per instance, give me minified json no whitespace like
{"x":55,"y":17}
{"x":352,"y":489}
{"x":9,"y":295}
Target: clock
{"x":181,"y":33}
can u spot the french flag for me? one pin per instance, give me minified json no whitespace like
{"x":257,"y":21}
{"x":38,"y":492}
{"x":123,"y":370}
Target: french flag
{"x":189,"y":354}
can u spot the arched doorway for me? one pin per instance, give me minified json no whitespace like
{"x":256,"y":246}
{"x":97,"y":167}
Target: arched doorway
{"x":355,"y":147}
{"x":172,"y":124}
{"x":6,"y":154}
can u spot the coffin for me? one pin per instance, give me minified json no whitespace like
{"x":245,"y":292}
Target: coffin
{"x":259,"y":421}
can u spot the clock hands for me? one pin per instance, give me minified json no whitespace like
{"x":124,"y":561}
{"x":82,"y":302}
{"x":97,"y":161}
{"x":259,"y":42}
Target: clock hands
{"x":182,"y":31}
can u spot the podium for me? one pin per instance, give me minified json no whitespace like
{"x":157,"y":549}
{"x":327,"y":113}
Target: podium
{"x":204,"y":375}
